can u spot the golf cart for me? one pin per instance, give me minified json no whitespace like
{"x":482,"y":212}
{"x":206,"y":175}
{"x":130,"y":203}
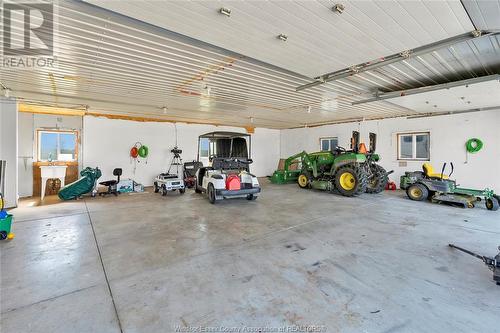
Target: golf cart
{"x":439,"y":188}
{"x":228,"y":173}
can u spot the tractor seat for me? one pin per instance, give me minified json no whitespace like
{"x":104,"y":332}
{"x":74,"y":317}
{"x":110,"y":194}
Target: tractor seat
{"x":429,"y":172}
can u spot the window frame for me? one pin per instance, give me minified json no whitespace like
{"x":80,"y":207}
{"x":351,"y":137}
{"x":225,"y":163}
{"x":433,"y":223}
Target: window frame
{"x":208,"y":150}
{"x":414,"y":146}
{"x":57,"y":131}
{"x":329,"y":138}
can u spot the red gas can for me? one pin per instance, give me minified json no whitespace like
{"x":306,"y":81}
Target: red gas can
{"x":233,"y":182}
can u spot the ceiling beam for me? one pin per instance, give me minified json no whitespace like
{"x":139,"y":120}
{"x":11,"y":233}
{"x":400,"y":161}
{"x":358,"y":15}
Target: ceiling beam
{"x":399,"y":93}
{"x":384,"y":61}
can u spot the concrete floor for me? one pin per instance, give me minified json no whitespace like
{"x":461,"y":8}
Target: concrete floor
{"x":146,"y":263}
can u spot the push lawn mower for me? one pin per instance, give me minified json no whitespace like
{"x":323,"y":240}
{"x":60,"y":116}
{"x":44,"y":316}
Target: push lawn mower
{"x":349,"y":172}
{"x":190,"y":169}
{"x":229,"y":175}
{"x":438,"y":187}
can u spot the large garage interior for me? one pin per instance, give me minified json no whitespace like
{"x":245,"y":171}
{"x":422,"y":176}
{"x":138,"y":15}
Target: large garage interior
{"x":250,"y":166}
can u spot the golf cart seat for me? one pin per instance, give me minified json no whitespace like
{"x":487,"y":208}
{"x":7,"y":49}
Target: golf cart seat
{"x":429,"y":172}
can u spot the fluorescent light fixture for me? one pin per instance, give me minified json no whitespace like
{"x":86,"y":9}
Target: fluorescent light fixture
{"x":225,"y":11}
{"x":283,"y":37}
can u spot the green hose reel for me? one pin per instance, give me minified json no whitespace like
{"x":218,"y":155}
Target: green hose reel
{"x":143,"y":151}
{"x":473,"y":145}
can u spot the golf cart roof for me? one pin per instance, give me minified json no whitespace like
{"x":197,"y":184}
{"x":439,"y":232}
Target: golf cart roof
{"x":224,"y":135}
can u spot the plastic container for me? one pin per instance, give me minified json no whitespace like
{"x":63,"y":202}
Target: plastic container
{"x":5,"y":226}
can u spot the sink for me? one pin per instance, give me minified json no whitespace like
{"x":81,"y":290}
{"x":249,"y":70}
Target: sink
{"x":52,"y":171}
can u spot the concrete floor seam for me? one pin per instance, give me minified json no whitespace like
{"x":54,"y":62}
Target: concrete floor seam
{"x":104,"y":269}
{"x":50,"y":218}
{"x":48,"y":299}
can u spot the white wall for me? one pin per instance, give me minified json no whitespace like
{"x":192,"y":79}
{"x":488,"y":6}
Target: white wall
{"x":107,"y":144}
{"x":8,"y":148}
{"x":28,"y":124}
{"x":448,"y":136}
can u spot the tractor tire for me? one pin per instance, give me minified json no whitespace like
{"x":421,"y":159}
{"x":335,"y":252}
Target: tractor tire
{"x":350,"y":180}
{"x":417,"y":192}
{"x":492,"y":204}
{"x":211,"y":193}
{"x":378,"y":179}
{"x":304,"y":180}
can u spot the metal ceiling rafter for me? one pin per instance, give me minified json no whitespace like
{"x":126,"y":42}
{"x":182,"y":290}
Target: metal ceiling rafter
{"x":393,"y":94}
{"x":356,"y":69}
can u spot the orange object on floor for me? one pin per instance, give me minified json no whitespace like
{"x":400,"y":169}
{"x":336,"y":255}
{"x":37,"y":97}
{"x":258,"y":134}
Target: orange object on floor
{"x":391,"y":186}
{"x":233,"y":183}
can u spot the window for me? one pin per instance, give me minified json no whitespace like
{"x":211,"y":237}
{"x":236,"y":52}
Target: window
{"x":204,"y":147}
{"x":414,"y":146}
{"x":57,"y":145}
{"x":328,"y":144}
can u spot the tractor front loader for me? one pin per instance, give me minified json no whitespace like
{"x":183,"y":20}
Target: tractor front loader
{"x":348,"y":172}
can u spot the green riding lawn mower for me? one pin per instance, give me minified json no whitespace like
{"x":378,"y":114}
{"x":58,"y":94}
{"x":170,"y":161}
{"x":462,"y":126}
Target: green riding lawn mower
{"x":348,"y":172}
{"x":439,"y":188}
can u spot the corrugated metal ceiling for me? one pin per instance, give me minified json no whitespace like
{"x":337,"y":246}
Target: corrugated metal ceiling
{"x":118,"y":65}
{"x":319,"y":40}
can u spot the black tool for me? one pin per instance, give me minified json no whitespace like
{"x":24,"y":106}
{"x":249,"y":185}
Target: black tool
{"x":492,"y":263}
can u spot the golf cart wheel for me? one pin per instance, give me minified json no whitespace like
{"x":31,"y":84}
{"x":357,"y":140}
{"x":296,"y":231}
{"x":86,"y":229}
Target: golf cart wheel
{"x":3,"y":235}
{"x":163,"y":190}
{"x":157,"y":189}
{"x":182,"y":190}
{"x":304,"y":180}
{"x":417,"y":192}
{"x":350,"y":180}
{"x":211,"y":193}
{"x":378,"y":179}
{"x":251,"y":197}
{"x":492,"y":204}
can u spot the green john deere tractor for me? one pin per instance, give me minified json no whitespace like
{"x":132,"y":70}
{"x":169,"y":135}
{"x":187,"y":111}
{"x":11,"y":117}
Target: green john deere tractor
{"x":349,"y":172}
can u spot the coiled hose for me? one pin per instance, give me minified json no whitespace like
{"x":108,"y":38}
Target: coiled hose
{"x":473,"y":145}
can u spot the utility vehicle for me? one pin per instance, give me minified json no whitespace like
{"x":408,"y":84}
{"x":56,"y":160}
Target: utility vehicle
{"x":228,"y":173}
